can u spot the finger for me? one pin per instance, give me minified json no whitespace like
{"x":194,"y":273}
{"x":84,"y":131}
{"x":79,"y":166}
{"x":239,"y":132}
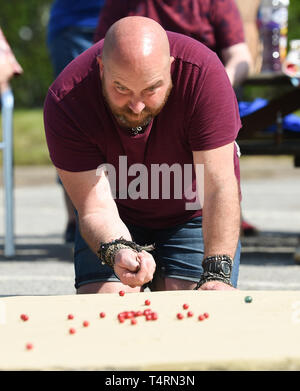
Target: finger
{"x":139,"y":264}
{"x":134,"y":266}
{"x":148,"y":260}
{"x":216,"y":286}
{"x":131,"y":263}
{"x":139,"y":278}
{"x":130,"y":279}
{"x":146,"y":271}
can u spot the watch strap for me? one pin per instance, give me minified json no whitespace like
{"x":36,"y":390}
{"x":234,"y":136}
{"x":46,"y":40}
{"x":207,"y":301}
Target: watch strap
{"x":216,"y":268}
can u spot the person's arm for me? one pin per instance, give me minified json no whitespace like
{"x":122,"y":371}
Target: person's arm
{"x":99,"y":221}
{"x":221,"y":205}
{"x":9,"y":66}
{"x":6,"y":69}
{"x":230,"y":40}
{"x":238,"y":63}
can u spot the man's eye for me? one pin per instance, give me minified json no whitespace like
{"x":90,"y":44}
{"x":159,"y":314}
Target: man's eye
{"x":151,"y":89}
{"x":122,"y":89}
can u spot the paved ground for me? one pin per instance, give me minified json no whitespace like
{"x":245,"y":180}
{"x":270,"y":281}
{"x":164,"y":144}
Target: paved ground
{"x":43,"y":264}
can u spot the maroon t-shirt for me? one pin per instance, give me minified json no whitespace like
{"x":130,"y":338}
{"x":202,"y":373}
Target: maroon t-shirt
{"x":201,"y":113}
{"x":215,"y":23}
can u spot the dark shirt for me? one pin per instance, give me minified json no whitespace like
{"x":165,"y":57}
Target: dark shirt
{"x":215,"y":23}
{"x":201,"y":113}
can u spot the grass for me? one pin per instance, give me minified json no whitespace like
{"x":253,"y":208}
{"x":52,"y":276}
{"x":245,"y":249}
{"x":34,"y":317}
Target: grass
{"x":30,"y":147}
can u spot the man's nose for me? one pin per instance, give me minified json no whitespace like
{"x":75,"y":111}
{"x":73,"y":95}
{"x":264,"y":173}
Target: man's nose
{"x":136,"y":106}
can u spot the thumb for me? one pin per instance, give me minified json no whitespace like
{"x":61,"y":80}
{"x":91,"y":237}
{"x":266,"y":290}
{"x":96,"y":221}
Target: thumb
{"x":133,"y":262}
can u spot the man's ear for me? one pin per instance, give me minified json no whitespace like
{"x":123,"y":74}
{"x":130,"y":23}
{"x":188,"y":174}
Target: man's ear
{"x":101,"y":66}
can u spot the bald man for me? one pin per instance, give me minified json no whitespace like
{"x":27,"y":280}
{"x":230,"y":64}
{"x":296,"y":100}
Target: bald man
{"x":132,"y":129}
{"x":217,"y":24}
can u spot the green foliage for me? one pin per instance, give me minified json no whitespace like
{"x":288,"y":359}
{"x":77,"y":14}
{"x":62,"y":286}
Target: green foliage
{"x":24,"y":24}
{"x":294,"y":20}
{"x":30,"y":147}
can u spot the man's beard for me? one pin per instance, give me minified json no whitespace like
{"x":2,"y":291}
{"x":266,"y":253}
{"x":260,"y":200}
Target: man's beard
{"x":142,"y":119}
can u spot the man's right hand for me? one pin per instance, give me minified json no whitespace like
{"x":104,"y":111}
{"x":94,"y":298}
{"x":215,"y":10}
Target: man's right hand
{"x":134,"y":269}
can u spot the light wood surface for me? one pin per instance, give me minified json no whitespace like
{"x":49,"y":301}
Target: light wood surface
{"x":261,"y":335}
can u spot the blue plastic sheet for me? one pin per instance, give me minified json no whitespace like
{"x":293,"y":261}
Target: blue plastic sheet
{"x":290,"y":122}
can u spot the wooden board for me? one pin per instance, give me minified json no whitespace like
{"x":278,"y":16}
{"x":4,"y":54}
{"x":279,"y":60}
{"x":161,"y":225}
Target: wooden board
{"x":260,"y":335}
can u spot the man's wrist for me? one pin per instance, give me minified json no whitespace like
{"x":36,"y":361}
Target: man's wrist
{"x":107,"y":251}
{"x":216,"y":268}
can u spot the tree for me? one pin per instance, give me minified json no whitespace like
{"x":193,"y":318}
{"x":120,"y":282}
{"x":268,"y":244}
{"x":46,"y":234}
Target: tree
{"x":24,"y":24}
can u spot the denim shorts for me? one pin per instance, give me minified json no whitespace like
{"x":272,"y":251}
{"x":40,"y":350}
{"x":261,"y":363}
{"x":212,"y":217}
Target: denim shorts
{"x":178,"y":254}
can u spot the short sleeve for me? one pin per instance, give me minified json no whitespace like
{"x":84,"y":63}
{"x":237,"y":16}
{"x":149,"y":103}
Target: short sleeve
{"x":69,"y":146}
{"x":215,"y":119}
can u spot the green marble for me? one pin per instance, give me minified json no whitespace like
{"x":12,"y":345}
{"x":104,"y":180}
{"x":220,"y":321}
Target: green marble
{"x":248,"y":299}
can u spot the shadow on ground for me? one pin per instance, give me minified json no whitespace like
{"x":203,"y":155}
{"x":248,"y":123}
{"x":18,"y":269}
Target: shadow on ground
{"x":269,"y":248}
{"x":38,"y":248}
{"x":264,"y":248}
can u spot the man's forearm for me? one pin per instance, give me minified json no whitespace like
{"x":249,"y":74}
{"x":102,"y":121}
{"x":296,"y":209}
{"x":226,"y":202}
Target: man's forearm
{"x":221,"y":221}
{"x":104,"y":225}
{"x":237,"y":72}
{"x":238,"y":63}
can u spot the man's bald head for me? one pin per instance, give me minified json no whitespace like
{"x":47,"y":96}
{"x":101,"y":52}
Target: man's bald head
{"x":135,"y":40}
{"x":135,"y":70}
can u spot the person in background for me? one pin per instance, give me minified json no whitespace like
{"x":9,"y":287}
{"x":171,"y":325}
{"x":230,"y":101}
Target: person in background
{"x":9,"y":66}
{"x":217,"y":24}
{"x":71,"y":29}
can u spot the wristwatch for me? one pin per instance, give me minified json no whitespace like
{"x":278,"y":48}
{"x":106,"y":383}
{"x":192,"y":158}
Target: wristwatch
{"x":218,"y":264}
{"x":216,"y":268}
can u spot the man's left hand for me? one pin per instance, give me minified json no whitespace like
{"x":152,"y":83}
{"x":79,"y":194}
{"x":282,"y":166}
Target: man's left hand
{"x":216,"y":286}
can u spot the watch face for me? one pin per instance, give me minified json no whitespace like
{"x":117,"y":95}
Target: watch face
{"x":225,"y":268}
